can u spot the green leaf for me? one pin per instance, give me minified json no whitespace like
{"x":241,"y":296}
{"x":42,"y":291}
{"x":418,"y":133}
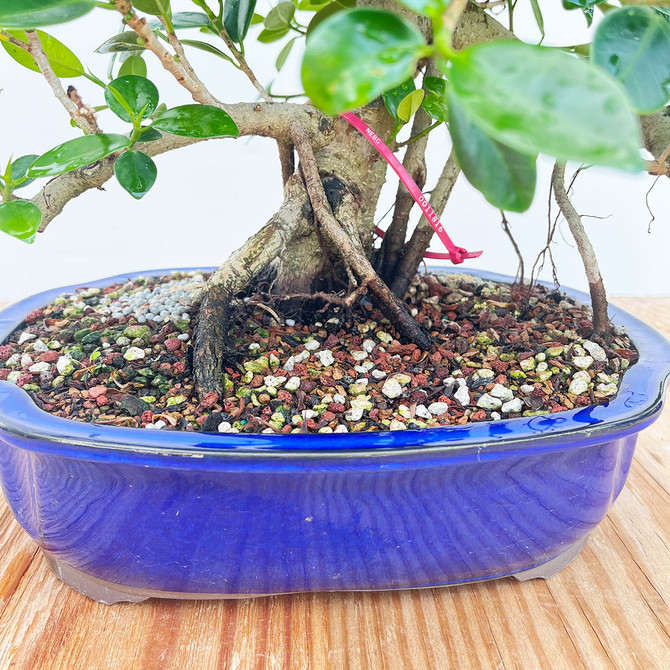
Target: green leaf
{"x":394,"y":96}
{"x":76,"y":154}
{"x":20,"y":219}
{"x":268,"y":36}
{"x":410,"y":105}
{"x":435,"y":102}
{"x":256,"y":19}
{"x":237,"y":17}
{"x":139,"y":94}
{"x":432,"y":8}
{"x":580,"y":4}
{"x":196,"y":121}
{"x":32,"y":13}
{"x":280,"y":16}
{"x":62,"y":61}
{"x":20,"y":169}
{"x":153,"y":7}
{"x":128,"y":41}
{"x":183,"y":20}
{"x":330,"y":9}
{"x":633,"y":44}
{"x":537,"y":13}
{"x":136,"y":172}
{"x":356,"y":55}
{"x":505,"y":177}
{"x":208,"y":48}
{"x":134,"y":65}
{"x":150,"y":134}
{"x":283,"y":54}
{"x":588,"y":15}
{"x":535,"y":99}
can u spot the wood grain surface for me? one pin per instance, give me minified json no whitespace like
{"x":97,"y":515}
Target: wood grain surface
{"x":608,"y":609}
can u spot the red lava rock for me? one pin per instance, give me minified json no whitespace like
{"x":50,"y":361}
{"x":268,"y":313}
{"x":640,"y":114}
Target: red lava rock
{"x":257,"y":381}
{"x":25,"y":378}
{"x":229,"y":405}
{"x":538,"y":392}
{"x":501,"y":379}
{"x":97,"y":391}
{"x":328,"y":416}
{"x":172,"y":344}
{"x":201,"y":419}
{"x":336,"y":407}
{"x":479,"y":415}
{"x":417,"y":354}
{"x":307,"y":385}
{"x":435,"y":358}
{"x":147,"y":417}
{"x":210,"y":399}
{"x":287,"y":429}
{"x":89,"y":404}
{"x":179,"y":367}
{"x":5,"y":352}
{"x":35,"y":315}
{"x":101,"y":400}
{"x":285,"y":396}
{"x":499,"y":366}
{"x":331,"y":341}
{"x":4,"y":373}
{"x":49,"y":357}
{"x":299,"y":370}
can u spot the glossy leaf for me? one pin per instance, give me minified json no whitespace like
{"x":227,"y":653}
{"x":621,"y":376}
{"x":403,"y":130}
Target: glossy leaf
{"x":256,"y":19}
{"x":394,"y":96}
{"x":62,"y":61}
{"x":36,"y":13}
{"x":20,"y":219}
{"x":536,"y":100}
{"x":207,"y":48}
{"x":153,"y":7}
{"x":432,"y":8}
{"x":280,"y":16}
{"x":237,"y":17}
{"x":77,"y":153}
{"x":138,"y":93}
{"x":136,"y":172}
{"x":505,"y":177}
{"x":330,"y":9}
{"x":128,"y":41}
{"x":410,"y":105}
{"x":633,"y":44}
{"x":20,"y":169}
{"x":268,"y":36}
{"x":356,"y":55}
{"x":134,"y":65}
{"x":284,"y":53}
{"x":435,"y":102}
{"x":580,"y":4}
{"x":196,"y":121}
{"x":183,"y":20}
{"x":150,"y":134}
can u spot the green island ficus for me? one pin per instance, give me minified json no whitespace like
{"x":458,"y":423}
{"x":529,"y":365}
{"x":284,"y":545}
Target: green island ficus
{"x":415,"y":64}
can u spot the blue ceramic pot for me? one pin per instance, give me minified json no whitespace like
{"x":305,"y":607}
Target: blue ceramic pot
{"x":126,"y":514}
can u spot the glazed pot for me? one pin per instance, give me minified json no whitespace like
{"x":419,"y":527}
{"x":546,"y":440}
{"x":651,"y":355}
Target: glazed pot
{"x":127,"y":514}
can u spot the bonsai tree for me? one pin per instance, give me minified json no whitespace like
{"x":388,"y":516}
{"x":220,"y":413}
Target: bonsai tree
{"x":423,"y":63}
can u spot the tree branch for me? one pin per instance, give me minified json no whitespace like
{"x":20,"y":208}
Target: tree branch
{"x":86,"y":122}
{"x":194,"y":86}
{"x":596,"y":286}
{"x":423,"y":233}
{"x":350,"y":250}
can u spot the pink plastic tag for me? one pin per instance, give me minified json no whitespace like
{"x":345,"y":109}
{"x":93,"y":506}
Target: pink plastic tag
{"x":456,"y":254}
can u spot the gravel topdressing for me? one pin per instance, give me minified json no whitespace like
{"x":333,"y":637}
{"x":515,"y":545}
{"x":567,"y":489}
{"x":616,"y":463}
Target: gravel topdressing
{"x":121,"y":356}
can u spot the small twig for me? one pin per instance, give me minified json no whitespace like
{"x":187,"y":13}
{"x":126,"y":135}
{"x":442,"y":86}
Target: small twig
{"x":331,"y":298}
{"x":267,"y":308}
{"x":646,"y":200}
{"x":14,"y":40}
{"x":521,"y":270}
{"x":658,"y":168}
{"x":86,"y":123}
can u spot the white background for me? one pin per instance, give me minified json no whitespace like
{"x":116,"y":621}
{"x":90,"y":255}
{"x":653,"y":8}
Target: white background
{"x":209,"y":198}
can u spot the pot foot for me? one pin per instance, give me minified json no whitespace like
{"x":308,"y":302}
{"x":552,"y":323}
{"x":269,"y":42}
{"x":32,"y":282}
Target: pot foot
{"x":555,"y":565}
{"x":96,"y":589}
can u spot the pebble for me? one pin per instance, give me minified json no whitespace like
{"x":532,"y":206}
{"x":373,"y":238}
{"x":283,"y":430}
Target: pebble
{"x":40,"y":347}
{"x":422,"y":412}
{"x":312,"y":345}
{"x":437,"y":408}
{"x":489,"y":402}
{"x":325,"y":357}
{"x":582,"y":362}
{"x":607,"y":389}
{"x":65,"y":366}
{"x":392,"y":388}
{"x":293,"y":384}
{"x":224,"y":427}
{"x":26,"y":337}
{"x":397,"y":425}
{"x":341,"y":429}
{"x":378,"y":374}
{"x":502,"y":392}
{"x":579,"y":383}
{"x":39,"y":367}
{"x":463,"y":396}
{"x":512,"y":407}
{"x":359,"y":355}
{"x":354,"y":414}
{"x":484,"y":373}
{"x":26,"y":360}
{"x":526,"y":389}
{"x":134,"y":354}
{"x":289,"y":322}
{"x":273,"y":381}
{"x":369,"y":345}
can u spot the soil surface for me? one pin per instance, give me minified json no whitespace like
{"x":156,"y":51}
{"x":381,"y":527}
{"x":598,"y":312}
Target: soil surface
{"x":121,"y":356}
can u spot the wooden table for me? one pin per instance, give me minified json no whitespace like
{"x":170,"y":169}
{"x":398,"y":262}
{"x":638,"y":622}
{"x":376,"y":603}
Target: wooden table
{"x":608,"y":609}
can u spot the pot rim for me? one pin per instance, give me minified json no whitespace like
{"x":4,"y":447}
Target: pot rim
{"x":637,"y":404}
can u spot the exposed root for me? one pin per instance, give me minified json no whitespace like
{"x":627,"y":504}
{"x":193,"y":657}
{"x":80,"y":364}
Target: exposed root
{"x":521,"y":269}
